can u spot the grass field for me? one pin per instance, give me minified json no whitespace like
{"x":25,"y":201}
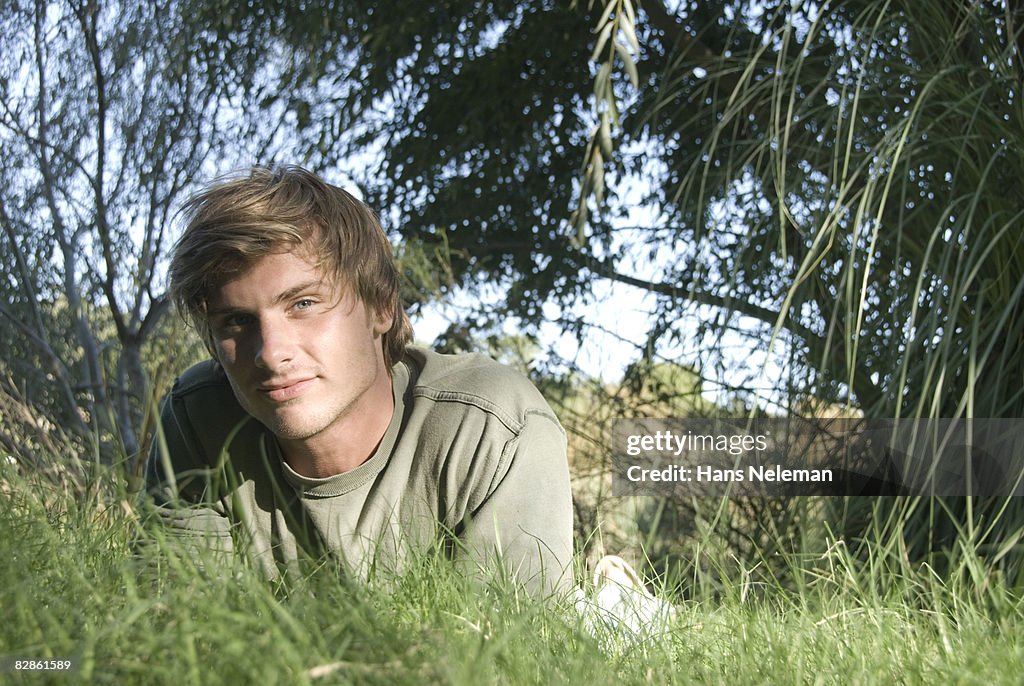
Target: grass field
{"x":73,"y":585}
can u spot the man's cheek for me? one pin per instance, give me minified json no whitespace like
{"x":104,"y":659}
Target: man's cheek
{"x":226,"y":352}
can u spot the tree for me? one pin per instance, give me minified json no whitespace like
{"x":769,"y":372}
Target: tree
{"x":109,"y":114}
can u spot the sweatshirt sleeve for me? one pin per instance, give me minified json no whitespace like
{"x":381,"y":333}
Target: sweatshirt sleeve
{"x":525,"y":518}
{"x":178,"y":480}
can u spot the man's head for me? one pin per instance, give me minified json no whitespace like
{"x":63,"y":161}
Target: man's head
{"x":242,"y":219}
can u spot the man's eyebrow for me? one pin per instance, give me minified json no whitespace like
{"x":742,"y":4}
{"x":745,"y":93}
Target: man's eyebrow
{"x":290,"y":293}
{"x":283,"y":296}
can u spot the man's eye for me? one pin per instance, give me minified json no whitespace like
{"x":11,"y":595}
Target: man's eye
{"x":304,"y":304}
{"x":235,"y":321}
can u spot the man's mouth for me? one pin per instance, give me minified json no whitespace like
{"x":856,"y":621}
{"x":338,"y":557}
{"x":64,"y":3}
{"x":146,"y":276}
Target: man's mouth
{"x":280,"y":391}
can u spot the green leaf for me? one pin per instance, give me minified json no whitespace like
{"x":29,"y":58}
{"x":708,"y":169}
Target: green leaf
{"x":627,"y":61}
{"x":602,"y":38}
{"x":604,"y":135}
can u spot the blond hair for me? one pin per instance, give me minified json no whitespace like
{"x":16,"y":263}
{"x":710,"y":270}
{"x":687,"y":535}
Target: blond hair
{"x":241,"y":218}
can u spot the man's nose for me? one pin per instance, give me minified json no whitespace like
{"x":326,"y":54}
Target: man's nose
{"x":276,"y":345}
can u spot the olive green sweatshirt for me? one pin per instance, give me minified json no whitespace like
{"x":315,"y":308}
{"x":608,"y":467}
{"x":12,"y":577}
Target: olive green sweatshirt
{"x":473,"y":458}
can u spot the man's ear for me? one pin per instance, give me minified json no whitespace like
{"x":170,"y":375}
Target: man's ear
{"x":382,"y":321}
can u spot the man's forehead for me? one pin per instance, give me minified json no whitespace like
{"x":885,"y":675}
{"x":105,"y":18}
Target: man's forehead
{"x":277,"y":273}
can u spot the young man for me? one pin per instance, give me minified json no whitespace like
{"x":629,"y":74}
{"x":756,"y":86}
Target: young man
{"x":316,"y":429}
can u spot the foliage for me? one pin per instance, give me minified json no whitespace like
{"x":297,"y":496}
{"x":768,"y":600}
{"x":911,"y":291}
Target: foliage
{"x":835,"y":182}
{"x":856,"y":177}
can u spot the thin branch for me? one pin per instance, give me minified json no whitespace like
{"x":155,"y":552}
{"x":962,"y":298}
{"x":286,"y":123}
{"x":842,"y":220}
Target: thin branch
{"x":681,"y":292}
{"x":867,"y":392}
{"x":88,"y":19}
{"x":56,"y":365}
{"x":22,"y":266}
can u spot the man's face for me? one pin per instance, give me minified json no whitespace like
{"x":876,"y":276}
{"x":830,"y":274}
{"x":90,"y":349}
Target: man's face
{"x":300,"y":359}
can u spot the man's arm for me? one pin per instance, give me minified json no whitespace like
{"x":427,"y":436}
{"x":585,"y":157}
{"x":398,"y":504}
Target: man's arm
{"x":178,"y":480}
{"x":525,"y":515}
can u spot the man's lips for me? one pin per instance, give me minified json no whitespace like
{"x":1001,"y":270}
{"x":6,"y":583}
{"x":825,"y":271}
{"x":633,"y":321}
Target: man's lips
{"x":279,"y":391}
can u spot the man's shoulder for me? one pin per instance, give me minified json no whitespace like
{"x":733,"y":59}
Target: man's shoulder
{"x":475,"y":380}
{"x":204,"y":376}
{"x":205,"y":386}
{"x":203,"y":408}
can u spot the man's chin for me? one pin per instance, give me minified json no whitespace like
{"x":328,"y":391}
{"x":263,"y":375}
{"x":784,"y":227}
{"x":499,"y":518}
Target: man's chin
{"x":291,"y":433}
{"x":290,"y":428}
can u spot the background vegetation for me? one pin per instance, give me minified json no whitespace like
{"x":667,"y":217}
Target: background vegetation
{"x":827,"y":192}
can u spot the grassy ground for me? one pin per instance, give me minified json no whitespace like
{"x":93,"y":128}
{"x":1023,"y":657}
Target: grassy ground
{"x":71,"y":584}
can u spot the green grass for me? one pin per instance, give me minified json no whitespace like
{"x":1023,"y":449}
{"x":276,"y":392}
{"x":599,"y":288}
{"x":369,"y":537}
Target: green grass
{"x":71,"y":584}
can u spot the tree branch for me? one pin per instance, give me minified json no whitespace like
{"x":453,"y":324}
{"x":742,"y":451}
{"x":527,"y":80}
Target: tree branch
{"x":820,"y":347}
{"x":88,"y":19}
{"x":56,"y":365}
{"x":763,"y":314}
